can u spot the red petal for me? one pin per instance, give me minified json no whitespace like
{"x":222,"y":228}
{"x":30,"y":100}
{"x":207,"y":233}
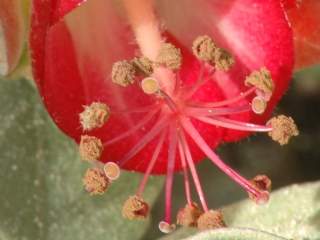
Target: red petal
{"x":12,"y":34}
{"x":305,"y":21}
{"x":72,"y":63}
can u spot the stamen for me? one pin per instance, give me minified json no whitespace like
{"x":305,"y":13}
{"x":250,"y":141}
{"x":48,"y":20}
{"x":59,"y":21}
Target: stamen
{"x":283,"y":128}
{"x":262,"y":80}
{"x":170,"y":171}
{"x":154,"y":131}
{"x":263,"y":183}
{"x":188,"y":216}
{"x":90,"y":148}
{"x":193,"y":171}
{"x":95,"y":181}
{"x":259,"y":105}
{"x":123,"y":73}
{"x":211,"y":220}
{"x":194,"y":134}
{"x":112,"y":171}
{"x":223,"y":60}
{"x":166,"y":227}
{"x":151,"y":164}
{"x":140,"y":124}
{"x":143,"y":65}
{"x":203,"y":48}
{"x":169,"y":56}
{"x":228,"y":101}
{"x":94,"y":116}
{"x":185,"y":174}
{"x":150,"y":85}
{"x":198,"y":111}
{"x":233,"y":124}
{"x":135,"y":208}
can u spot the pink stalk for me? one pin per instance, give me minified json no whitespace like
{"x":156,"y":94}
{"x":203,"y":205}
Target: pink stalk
{"x":233,"y":124}
{"x":170,"y":171}
{"x":140,"y":124}
{"x":197,"y":85}
{"x":196,"y":111}
{"x":228,"y":101}
{"x":194,"y":134}
{"x":193,"y":171}
{"x":154,"y":131}
{"x":155,"y":155}
{"x":185,"y":174}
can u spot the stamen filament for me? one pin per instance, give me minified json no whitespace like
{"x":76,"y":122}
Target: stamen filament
{"x":185,"y":174}
{"x":201,"y":143}
{"x":233,"y":124}
{"x":140,"y":124}
{"x":230,"y":101}
{"x":153,"y":160}
{"x":154,"y":131}
{"x":170,"y":171}
{"x":193,"y":171}
{"x":196,"y":111}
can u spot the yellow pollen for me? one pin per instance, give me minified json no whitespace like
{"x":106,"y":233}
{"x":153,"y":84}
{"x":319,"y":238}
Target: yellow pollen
{"x":223,"y":60}
{"x":143,"y":65}
{"x":211,"y":220}
{"x":283,"y":128}
{"x":169,"y":56}
{"x":95,"y":181}
{"x":123,"y":73}
{"x":262,"y":80}
{"x":112,"y":170}
{"x":166,"y":227}
{"x":94,"y":116}
{"x":135,"y":208}
{"x":258,"y":105}
{"x":203,"y":48}
{"x":90,"y":148}
{"x":150,"y":85}
{"x":188,"y":216}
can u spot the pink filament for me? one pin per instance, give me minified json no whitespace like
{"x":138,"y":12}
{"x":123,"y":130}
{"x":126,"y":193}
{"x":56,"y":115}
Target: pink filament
{"x":154,"y":131}
{"x":151,"y":164}
{"x":194,"y":134}
{"x":140,"y":124}
{"x":193,"y":172}
{"x":170,"y":171}
{"x":232,"y":124}
{"x":185,"y":174}
{"x":196,"y":111}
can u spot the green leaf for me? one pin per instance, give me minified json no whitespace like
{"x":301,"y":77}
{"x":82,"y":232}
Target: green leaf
{"x":292,"y":213}
{"x":41,"y":179}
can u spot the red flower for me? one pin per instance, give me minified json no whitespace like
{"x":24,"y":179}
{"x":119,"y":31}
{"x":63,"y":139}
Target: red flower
{"x":78,"y":56}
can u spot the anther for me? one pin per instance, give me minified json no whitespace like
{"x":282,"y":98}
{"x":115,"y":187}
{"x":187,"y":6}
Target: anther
{"x":94,"y":116}
{"x":90,"y":148}
{"x":165,"y":227}
{"x":143,"y":65}
{"x":258,"y":105}
{"x":123,"y":73}
{"x":223,"y":60}
{"x":283,"y":128}
{"x":135,"y":208}
{"x":169,"y":56}
{"x":204,"y":48}
{"x":150,"y":85}
{"x":211,"y":219}
{"x":262,"y":80}
{"x":112,"y":170}
{"x":95,"y":181}
{"x":188,"y":216}
{"x":263,"y":184}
